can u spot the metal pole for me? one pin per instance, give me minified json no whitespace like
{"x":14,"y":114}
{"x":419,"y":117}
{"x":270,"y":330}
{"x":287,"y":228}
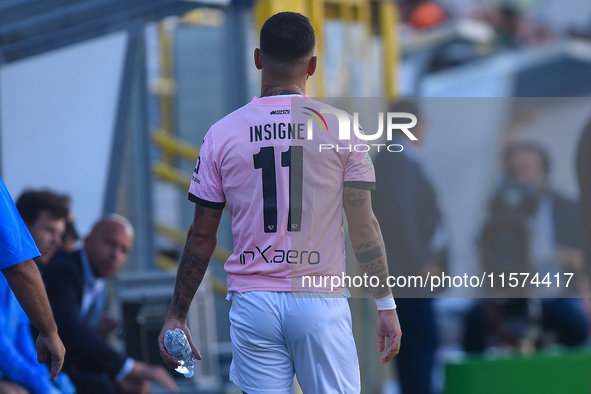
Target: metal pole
{"x":139,"y":200}
{"x":121,"y":122}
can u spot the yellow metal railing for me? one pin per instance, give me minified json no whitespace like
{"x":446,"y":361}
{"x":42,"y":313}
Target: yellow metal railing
{"x":219,"y":254}
{"x":317,"y":17}
{"x":171,"y":174}
{"x":172,"y":146}
{"x":167,"y":82}
{"x":388,"y":27}
{"x":175,"y":146}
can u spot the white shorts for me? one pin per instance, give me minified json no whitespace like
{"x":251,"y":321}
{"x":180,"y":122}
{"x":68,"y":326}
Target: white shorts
{"x":275,"y":335}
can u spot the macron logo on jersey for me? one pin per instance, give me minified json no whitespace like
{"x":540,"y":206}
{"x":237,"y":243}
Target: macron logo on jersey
{"x":280,"y":112}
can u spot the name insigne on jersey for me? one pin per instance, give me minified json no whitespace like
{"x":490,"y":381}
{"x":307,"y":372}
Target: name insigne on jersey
{"x":280,"y":131}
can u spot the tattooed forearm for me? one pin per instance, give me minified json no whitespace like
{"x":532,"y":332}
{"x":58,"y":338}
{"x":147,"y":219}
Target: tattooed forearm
{"x":275,"y":90}
{"x":369,"y":244}
{"x":189,"y":276}
{"x":373,"y":263}
{"x":356,"y":197}
{"x":366,"y":238}
{"x":181,"y":305}
{"x":217,"y":215}
{"x":371,"y":254}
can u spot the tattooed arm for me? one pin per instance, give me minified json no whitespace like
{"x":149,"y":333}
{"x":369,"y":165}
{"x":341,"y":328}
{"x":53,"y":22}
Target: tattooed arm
{"x":366,"y":238}
{"x":201,"y":242}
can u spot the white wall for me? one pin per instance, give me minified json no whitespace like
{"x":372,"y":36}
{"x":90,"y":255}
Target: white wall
{"x":57,"y":118}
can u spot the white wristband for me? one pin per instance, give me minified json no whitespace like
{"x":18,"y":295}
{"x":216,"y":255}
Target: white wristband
{"x":386,"y":303}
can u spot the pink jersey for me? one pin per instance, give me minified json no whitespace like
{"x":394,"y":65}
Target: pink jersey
{"x":271,"y":162}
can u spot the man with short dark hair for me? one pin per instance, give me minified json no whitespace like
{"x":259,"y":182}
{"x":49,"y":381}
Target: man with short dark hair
{"x":45,"y":214}
{"x":287,"y":203}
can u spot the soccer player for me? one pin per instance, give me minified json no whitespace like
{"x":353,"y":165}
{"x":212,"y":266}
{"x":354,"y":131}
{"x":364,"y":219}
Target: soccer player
{"x":286,"y":199}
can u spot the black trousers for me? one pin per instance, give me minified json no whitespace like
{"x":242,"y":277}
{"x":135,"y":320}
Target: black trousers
{"x":419,"y":342}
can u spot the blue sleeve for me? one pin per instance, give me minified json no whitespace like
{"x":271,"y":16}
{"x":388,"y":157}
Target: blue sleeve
{"x":17,"y":366}
{"x":16,"y":243}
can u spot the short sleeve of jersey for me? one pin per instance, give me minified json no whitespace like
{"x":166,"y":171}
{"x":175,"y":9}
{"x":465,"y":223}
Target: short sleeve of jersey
{"x":359,"y":170}
{"x":206,"y":184}
{"x":16,"y":243}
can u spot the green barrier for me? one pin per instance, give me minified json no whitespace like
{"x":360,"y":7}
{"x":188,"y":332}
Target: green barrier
{"x":558,"y":372}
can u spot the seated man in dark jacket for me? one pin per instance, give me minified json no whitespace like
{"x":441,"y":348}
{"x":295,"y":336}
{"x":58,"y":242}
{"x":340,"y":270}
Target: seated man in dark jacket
{"x":547,"y":244}
{"x":75,"y":288}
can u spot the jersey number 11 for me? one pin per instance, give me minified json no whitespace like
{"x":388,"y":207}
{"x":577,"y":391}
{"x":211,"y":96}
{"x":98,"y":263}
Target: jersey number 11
{"x":293,"y":158}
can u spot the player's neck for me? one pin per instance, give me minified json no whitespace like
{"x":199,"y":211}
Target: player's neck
{"x":277,"y":89}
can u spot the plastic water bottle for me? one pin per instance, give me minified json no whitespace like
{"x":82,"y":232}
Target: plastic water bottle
{"x":178,"y":346}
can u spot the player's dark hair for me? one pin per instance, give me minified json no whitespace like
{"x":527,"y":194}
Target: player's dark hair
{"x":287,"y":37}
{"x":32,"y":202}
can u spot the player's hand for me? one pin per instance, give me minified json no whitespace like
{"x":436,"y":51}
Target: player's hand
{"x":171,"y":324}
{"x":388,"y":326}
{"x":51,"y":343}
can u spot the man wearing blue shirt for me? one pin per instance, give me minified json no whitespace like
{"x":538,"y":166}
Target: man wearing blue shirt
{"x":19,"y":368}
{"x":17,"y":250}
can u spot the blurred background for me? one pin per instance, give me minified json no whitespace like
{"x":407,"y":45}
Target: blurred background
{"x":108,"y":101}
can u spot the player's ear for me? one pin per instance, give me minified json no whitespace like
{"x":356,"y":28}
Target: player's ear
{"x":312,"y":65}
{"x":258,"y":61}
